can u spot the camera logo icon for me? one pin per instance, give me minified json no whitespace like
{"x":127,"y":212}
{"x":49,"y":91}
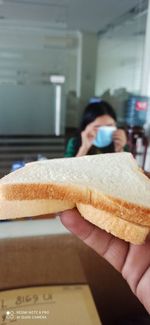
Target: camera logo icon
{"x":10,"y":314}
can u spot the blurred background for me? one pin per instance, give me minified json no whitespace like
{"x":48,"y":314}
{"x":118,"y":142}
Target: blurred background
{"x":57,"y":54}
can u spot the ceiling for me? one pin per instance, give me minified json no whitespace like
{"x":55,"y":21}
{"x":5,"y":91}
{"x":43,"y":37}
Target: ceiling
{"x":84,"y":15}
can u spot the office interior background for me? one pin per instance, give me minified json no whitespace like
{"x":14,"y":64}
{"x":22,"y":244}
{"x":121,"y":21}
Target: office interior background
{"x":57,"y":54}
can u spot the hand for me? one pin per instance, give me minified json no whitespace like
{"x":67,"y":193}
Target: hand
{"x":132,"y":261}
{"x":87,"y":137}
{"x":119,"y":139}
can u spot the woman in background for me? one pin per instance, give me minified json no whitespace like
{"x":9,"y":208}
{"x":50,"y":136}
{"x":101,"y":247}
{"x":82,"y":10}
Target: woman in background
{"x":97,"y":133}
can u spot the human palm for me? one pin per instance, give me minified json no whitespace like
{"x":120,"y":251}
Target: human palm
{"x":132,"y":261}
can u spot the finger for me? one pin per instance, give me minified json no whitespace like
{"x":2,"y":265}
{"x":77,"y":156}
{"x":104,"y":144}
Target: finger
{"x":116,"y":140}
{"x":117,"y":143}
{"x":112,"y":249}
{"x":116,"y":132}
{"x":136,"y":271}
{"x":91,"y":136}
{"x":132,"y":263}
{"x":117,"y":136}
{"x":120,"y":136}
{"x":143,"y":289}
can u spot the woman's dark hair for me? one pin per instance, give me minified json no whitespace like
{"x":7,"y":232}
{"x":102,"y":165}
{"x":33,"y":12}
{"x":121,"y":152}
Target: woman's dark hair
{"x":91,"y":112}
{"x":94,"y":110}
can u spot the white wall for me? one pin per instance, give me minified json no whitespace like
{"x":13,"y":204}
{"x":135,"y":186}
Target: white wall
{"x":82,"y":65}
{"x":88,"y":68}
{"x":119,"y":64}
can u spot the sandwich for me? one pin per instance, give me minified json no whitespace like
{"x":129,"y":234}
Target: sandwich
{"x":109,"y":190}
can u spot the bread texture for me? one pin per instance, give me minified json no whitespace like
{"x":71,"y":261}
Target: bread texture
{"x":118,"y":227}
{"x":22,"y":208}
{"x":110,"y":183}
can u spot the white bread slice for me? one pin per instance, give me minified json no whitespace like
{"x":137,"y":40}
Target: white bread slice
{"x":20,"y":209}
{"x":110,"y":182}
{"x":118,"y":227}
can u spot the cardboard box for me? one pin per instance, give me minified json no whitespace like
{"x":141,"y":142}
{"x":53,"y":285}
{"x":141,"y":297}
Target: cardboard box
{"x":54,"y":260}
{"x":58,"y":305}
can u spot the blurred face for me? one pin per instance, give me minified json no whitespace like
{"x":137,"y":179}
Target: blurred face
{"x":104,"y":120}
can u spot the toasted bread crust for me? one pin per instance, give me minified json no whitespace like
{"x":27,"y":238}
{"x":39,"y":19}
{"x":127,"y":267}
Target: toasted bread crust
{"x":77,"y":194}
{"x":120,"y":228}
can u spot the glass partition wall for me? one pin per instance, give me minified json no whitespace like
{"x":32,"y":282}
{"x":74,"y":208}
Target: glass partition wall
{"x":33,"y":105}
{"x":120,"y":58}
{"x":29,"y":55}
{"x":108,"y":64}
